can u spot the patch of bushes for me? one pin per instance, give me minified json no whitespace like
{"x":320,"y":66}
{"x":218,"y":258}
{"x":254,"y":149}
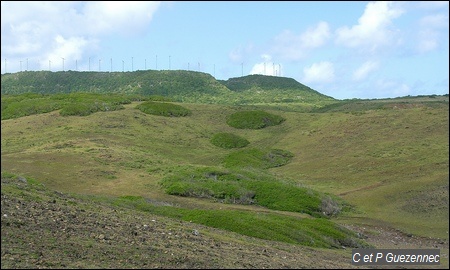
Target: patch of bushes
{"x":15,"y":107}
{"x":253,"y":119}
{"x":79,"y":103}
{"x":243,"y":187}
{"x":163,"y":109}
{"x":228,"y":140}
{"x":217,"y":184}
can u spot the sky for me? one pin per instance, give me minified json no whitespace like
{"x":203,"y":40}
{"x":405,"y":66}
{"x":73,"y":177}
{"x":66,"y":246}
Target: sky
{"x":343,"y":49}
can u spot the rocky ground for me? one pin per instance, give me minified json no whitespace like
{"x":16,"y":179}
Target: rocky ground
{"x":47,"y":229}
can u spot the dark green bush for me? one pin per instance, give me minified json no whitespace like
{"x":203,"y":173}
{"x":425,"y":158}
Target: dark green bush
{"x":253,"y":119}
{"x":16,"y":107}
{"x":229,"y":140}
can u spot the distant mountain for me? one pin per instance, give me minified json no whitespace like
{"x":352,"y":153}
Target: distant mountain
{"x":180,"y":85}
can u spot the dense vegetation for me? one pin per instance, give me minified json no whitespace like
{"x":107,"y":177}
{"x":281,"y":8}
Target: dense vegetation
{"x":81,"y":104}
{"x":244,"y":187}
{"x":179,"y":85}
{"x":228,"y":140}
{"x":253,"y":119}
{"x":77,"y":103}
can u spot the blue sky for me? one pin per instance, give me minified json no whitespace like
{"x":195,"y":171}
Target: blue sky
{"x":341,"y":49}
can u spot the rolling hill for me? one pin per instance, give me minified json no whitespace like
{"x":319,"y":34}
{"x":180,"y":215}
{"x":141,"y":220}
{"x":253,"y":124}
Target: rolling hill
{"x":93,"y":179}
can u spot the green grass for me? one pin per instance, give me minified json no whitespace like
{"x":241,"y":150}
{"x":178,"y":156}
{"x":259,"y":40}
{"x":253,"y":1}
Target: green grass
{"x":314,"y":232}
{"x":257,"y":158}
{"x":163,"y":109}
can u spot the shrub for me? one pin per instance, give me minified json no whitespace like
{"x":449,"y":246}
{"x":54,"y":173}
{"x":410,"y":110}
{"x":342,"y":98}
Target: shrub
{"x":243,"y":187}
{"x":229,"y":140}
{"x":253,"y":119}
{"x":330,"y":207}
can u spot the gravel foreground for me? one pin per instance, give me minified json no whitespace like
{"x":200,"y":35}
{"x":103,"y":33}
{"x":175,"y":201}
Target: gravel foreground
{"x":48,"y":229}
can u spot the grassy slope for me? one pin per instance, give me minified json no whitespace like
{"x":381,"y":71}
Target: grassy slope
{"x":392,"y":164}
{"x":382,"y":161}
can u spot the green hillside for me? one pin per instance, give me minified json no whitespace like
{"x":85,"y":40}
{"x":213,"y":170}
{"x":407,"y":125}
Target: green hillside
{"x":99,"y":166}
{"x":179,"y":85}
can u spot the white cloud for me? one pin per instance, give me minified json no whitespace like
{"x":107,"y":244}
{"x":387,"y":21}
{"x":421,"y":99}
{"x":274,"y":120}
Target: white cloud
{"x":49,"y":30}
{"x":124,"y":17}
{"x":432,"y":32}
{"x":295,"y":47}
{"x":268,"y":67}
{"x":71,"y":48}
{"x":322,"y":72}
{"x":373,"y":29}
{"x":364,"y":70}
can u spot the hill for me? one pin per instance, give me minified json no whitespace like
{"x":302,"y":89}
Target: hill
{"x":179,"y":85}
{"x":88,"y":174}
{"x":271,"y":89}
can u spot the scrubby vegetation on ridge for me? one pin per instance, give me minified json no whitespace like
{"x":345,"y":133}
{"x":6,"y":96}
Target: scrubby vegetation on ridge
{"x":179,"y":85}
